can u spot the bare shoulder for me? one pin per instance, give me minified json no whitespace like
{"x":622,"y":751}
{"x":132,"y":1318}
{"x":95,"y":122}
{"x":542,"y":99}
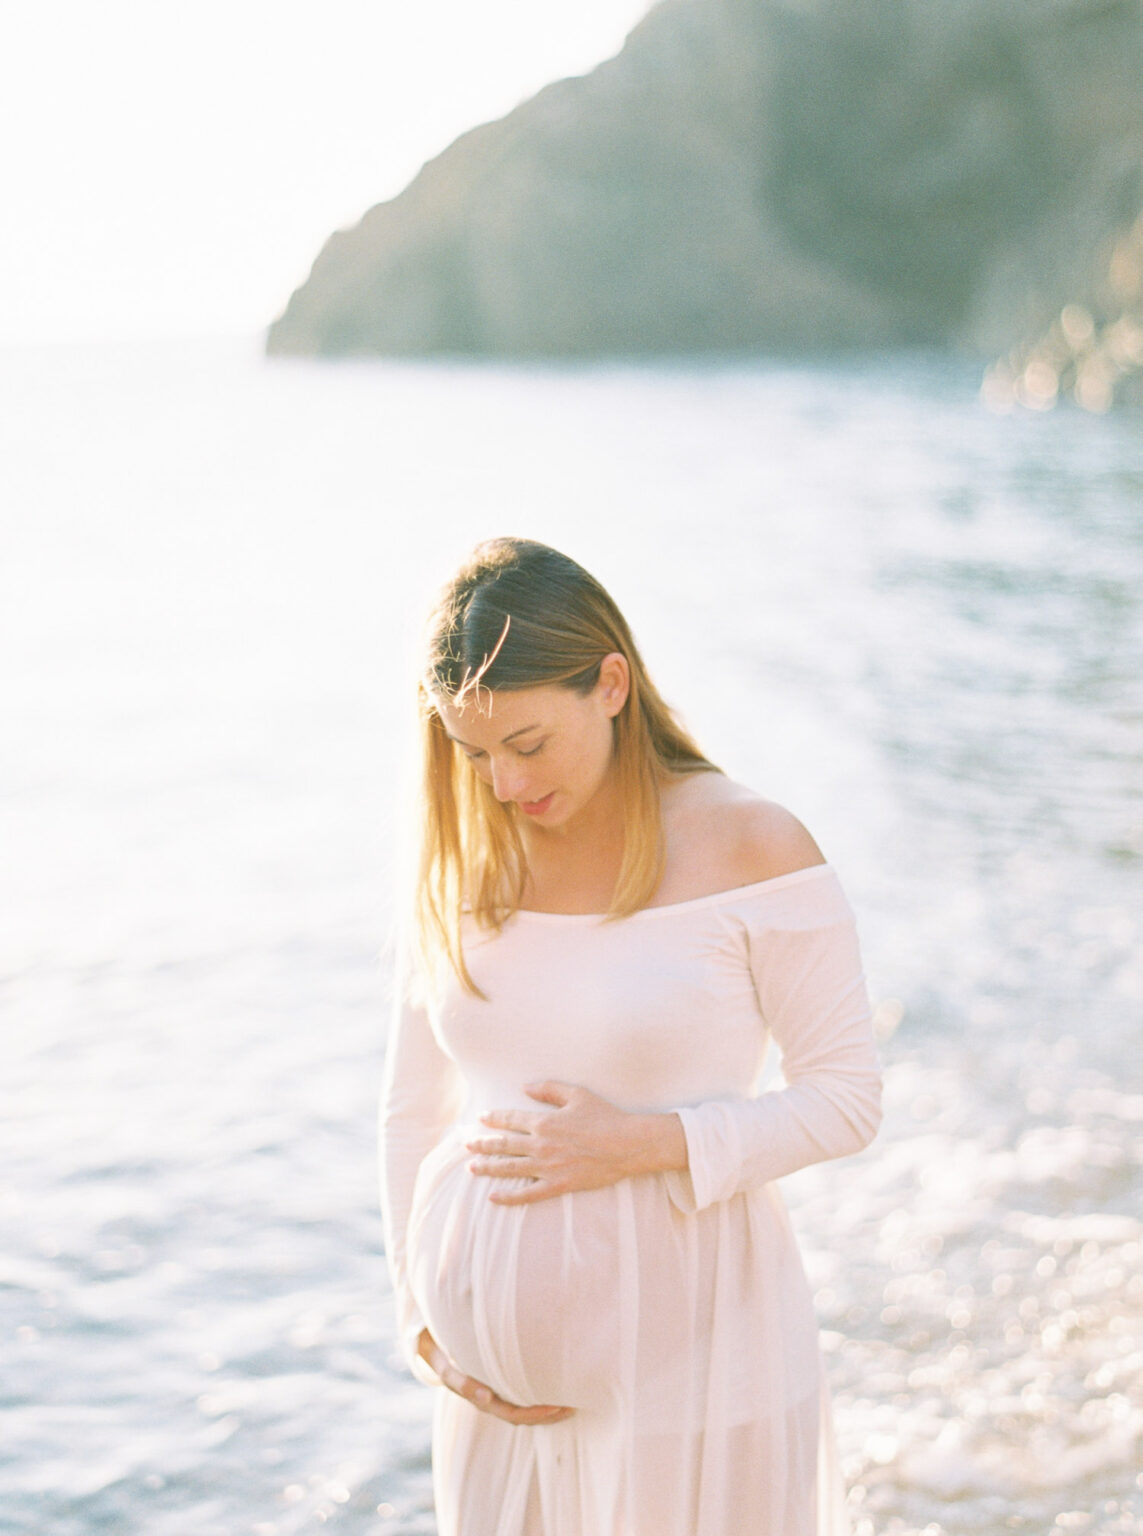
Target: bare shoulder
{"x":721,"y":834}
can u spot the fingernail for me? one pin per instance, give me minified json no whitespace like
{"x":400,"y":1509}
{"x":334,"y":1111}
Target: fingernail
{"x":483,"y":1396}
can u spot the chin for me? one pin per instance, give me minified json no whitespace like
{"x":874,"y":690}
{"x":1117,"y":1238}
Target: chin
{"x":555,"y":815}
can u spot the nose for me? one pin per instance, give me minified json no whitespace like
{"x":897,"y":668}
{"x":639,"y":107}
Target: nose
{"x":507,"y":780}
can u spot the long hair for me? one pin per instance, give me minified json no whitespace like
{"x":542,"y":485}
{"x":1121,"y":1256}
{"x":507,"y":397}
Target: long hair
{"x":521,"y":615}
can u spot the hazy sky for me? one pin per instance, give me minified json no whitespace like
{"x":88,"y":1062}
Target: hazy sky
{"x":173,"y":168}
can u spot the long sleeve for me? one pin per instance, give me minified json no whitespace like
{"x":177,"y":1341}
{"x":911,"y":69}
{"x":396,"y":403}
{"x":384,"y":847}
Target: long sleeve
{"x":422,"y":1096}
{"x":811,"y":995}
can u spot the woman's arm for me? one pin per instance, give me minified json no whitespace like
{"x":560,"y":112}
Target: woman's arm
{"x":811,"y":992}
{"x":422,"y":1095}
{"x":807,"y":973}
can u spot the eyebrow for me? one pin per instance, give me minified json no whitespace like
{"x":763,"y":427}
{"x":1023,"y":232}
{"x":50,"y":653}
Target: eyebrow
{"x":523,"y":731}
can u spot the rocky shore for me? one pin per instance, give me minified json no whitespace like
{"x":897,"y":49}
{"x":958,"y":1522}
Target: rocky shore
{"x":774,"y":175}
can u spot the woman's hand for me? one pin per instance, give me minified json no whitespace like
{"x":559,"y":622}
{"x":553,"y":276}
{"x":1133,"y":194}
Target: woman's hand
{"x":476,"y":1393}
{"x":583,"y":1142}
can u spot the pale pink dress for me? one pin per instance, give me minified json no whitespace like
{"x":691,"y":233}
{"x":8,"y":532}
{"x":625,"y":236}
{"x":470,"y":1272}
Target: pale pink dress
{"x":670,"y":1310}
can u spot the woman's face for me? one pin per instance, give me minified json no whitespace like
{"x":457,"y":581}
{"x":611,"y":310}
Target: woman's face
{"x":547,"y":750}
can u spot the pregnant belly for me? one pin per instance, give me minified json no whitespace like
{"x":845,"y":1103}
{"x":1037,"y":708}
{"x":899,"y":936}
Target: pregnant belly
{"x":525,"y":1298}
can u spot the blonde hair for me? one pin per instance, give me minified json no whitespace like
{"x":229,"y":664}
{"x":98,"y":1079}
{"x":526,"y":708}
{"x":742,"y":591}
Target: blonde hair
{"x":521,"y":615}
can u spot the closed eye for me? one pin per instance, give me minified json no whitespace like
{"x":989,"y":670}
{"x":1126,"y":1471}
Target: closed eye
{"x":477,"y":753}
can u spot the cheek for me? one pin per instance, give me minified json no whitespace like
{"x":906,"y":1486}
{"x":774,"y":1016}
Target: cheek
{"x":593,"y":762}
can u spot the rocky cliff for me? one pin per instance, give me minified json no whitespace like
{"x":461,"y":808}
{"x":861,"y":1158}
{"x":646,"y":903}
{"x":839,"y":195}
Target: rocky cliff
{"x":766,"y":174}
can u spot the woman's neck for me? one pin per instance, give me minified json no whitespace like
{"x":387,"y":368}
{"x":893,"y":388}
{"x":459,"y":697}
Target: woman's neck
{"x":575,"y":867}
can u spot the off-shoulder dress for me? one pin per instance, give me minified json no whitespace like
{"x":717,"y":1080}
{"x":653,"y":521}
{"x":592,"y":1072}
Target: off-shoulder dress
{"x":670,"y":1310}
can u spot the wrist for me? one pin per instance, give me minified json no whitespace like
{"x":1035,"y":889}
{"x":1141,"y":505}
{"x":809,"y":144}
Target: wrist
{"x":661,"y":1144}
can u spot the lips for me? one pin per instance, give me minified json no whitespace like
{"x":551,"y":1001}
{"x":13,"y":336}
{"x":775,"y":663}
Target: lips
{"x":537,"y":807}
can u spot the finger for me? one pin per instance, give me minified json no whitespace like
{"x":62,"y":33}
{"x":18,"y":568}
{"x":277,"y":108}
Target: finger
{"x":500,"y":1168}
{"x":549,"y":1093}
{"x":483,"y":1397}
{"x":435,"y":1361}
{"x":464,"y":1386}
{"x":514,"y":1415}
{"x":519,"y":1120}
{"x":528,"y":1194}
{"x":535,"y":1413}
{"x":502,"y":1146}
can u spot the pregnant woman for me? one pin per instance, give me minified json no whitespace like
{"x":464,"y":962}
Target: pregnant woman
{"x":590,"y":1257}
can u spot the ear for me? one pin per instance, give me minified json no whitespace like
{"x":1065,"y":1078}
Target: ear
{"x":614,"y":683}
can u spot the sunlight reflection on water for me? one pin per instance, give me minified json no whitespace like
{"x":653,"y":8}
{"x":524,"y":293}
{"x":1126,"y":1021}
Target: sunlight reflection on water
{"x":917,"y":624}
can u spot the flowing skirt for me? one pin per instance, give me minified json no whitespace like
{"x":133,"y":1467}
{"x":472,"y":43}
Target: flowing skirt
{"x":686,"y":1343}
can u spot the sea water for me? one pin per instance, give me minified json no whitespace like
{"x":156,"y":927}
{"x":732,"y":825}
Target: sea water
{"x":916,"y":623}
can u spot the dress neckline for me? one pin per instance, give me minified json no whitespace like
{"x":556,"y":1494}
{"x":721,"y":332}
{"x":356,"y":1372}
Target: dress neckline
{"x":734,"y":892}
